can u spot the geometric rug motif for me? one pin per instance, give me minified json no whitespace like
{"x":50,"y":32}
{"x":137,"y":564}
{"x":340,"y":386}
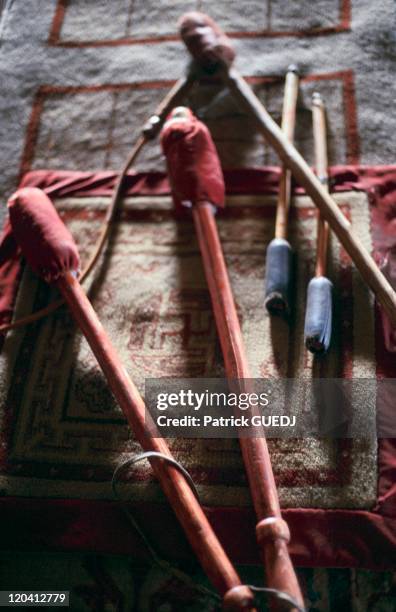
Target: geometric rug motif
{"x":134,"y":21}
{"x":63,"y":433}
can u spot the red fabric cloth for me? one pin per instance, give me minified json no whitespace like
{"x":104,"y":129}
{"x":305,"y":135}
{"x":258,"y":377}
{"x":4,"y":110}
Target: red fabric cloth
{"x":206,"y":42}
{"x":379,"y":182}
{"x":388,"y":268}
{"x":193,"y":164}
{"x":320,"y":537}
{"x":8,"y":245}
{"x":43,"y":238}
{"x":9,"y":273}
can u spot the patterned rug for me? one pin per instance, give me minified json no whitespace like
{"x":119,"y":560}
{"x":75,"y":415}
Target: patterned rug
{"x":67,"y":433}
{"x":63,"y":434}
{"x":80,"y":83}
{"x":79,"y":79}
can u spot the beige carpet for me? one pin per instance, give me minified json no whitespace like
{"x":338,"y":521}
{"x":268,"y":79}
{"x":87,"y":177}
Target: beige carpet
{"x":152,"y":298}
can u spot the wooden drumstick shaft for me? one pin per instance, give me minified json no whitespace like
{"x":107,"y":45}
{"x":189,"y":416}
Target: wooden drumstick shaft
{"x":288,"y":126}
{"x":321,"y":165}
{"x":272,"y":531}
{"x":320,"y":196}
{"x":189,"y":512}
{"x":173,"y":98}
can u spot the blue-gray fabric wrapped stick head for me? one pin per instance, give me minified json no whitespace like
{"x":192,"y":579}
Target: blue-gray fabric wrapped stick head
{"x":319,"y":314}
{"x":278,"y":276}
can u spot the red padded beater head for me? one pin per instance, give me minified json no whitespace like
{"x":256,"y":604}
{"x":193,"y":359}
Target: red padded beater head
{"x":42,"y":236}
{"x":193,"y":164}
{"x":206,"y":41}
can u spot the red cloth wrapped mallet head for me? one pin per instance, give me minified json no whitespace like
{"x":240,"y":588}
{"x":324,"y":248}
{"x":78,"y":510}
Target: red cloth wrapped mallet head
{"x":42,"y":236}
{"x":193,"y":164}
{"x":206,"y":42}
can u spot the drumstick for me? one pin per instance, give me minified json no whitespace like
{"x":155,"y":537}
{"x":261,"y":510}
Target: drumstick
{"x":279,"y":257}
{"x":51,"y":252}
{"x":196,"y":179}
{"x":204,"y":36}
{"x":319,"y":308}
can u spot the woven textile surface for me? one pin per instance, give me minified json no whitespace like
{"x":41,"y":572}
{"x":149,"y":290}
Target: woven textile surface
{"x":151,"y":295}
{"x":79,"y":79}
{"x":82,"y":81}
{"x":63,"y":434}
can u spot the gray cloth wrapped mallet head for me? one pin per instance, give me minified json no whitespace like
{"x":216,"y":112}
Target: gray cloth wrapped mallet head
{"x":278,"y":275}
{"x":318,"y":314}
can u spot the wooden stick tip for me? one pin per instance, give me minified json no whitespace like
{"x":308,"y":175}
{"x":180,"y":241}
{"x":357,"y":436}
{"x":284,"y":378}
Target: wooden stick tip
{"x":179,"y":114}
{"x":294,"y":68}
{"x":317,"y":98}
{"x":238,"y":599}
